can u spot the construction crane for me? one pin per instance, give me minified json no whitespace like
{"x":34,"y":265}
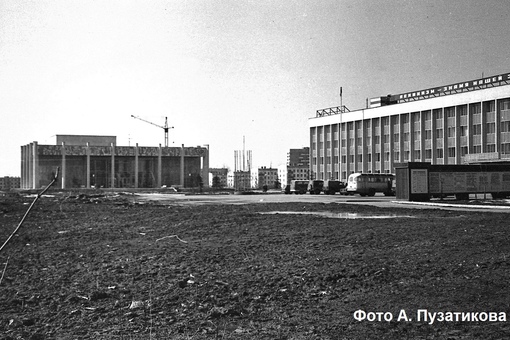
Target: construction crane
{"x":165,"y":127}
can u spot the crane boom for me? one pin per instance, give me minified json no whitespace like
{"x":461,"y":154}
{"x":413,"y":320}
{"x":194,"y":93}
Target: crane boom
{"x":165,"y":127}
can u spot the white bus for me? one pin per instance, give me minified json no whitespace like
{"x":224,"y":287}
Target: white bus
{"x":370,"y":184}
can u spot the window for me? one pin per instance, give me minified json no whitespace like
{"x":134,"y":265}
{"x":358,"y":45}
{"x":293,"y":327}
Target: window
{"x":463,"y":151}
{"x":428,"y":153}
{"x":451,"y":131}
{"x":396,"y":137}
{"x":417,"y":155}
{"x":428,"y":134}
{"x":463,"y":131}
{"x":491,"y":127}
{"x":417,"y":135}
{"x":505,"y":126}
{"x":406,"y":136}
{"x":475,"y":108}
{"x":477,"y":149}
{"x":477,"y":129}
{"x":490,"y":148}
{"x":396,"y":156}
{"x":426,"y":115}
{"x":505,"y":148}
{"x":439,"y":153}
{"x":451,"y":152}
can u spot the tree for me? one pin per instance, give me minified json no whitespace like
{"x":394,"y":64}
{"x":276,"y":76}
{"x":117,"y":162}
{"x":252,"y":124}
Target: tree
{"x":216,"y":182}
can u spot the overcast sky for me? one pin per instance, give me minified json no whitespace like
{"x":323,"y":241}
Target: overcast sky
{"x":224,"y":69}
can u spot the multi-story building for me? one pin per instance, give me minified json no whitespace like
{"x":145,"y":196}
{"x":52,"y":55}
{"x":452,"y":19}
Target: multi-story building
{"x":97,"y":162}
{"x":8,"y":182}
{"x":268,"y":177}
{"x":467,"y":122}
{"x":298,"y":164}
{"x":242,"y":180}
{"x":222,"y":177}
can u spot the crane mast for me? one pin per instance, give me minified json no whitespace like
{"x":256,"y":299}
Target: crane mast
{"x":164,"y":127}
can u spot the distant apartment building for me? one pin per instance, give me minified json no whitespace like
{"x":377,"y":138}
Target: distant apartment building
{"x":268,"y":177}
{"x":298,"y":164}
{"x":8,"y":183}
{"x":220,"y":175}
{"x":242,"y":180}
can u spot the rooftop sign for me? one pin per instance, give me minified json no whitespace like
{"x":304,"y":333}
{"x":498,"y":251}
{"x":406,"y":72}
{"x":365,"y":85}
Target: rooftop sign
{"x":453,"y":88}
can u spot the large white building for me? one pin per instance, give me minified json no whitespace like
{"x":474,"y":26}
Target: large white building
{"x":467,"y":122}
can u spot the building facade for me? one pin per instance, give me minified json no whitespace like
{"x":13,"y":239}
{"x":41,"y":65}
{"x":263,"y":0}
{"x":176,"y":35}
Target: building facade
{"x":222,"y":177}
{"x":268,"y":177}
{"x":462,"y":123}
{"x":97,"y":162}
{"x":8,"y":183}
{"x":298,"y":164}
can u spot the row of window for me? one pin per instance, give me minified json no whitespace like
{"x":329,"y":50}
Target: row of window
{"x":505,"y":148}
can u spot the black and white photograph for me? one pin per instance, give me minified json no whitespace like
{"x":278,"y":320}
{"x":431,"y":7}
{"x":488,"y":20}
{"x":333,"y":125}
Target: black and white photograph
{"x":254,"y":169}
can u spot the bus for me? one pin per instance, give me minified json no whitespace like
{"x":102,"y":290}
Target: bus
{"x":369,"y":184}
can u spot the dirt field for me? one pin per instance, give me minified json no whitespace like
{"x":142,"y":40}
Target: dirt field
{"x":105,"y":267}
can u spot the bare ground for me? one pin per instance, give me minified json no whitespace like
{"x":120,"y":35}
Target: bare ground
{"x":103,"y":267}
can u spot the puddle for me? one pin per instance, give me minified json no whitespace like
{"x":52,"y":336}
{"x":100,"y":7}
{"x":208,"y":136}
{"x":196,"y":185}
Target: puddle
{"x":334,"y":215}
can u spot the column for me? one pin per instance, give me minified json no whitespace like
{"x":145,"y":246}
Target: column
{"x":88,"y":165}
{"x":112,"y":177}
{"x":205,"y":167}
{"x":497,"y":136}
{"x":159,"y":166}
{"x":445,"y":136}
{"x":457,"y":135}
{"x":182,"y":166}
{"x":391,"y":141}
{"x":36,"y":165}
{"x":136,"y":165}
{"x":22,"y":182}
{"x":63,"y":151}
{"x":434,"y":136}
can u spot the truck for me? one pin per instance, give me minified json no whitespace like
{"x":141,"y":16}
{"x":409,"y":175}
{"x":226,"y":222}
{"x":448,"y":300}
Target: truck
{"x":315,"y":186}
{"x":332,"y":186}
{"x":298,"y":187}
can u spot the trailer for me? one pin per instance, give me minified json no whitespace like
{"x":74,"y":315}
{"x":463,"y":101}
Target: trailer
{"x":331,"y":186}
{"x":315,"y":186}
{"x":298,"y":187}
{"x":421,"y":181}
